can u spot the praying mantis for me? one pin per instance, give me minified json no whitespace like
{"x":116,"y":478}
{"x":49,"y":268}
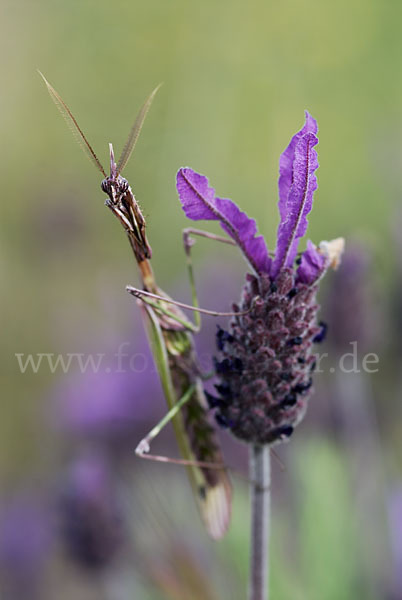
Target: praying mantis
{"x":170,"y":336}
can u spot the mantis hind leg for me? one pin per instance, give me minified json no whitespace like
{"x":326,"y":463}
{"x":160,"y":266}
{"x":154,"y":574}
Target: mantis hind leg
{"x":144,"y":446}
{"x":154,"y":300}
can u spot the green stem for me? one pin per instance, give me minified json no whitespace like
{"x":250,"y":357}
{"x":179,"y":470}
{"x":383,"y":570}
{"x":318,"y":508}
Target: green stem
{"x":260,"y":516}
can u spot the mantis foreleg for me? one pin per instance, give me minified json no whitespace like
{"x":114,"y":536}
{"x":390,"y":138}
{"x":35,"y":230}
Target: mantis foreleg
{"x":149,"y":297}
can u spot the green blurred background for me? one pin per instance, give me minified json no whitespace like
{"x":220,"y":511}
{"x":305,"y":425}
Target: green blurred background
{"x":237,"y":77}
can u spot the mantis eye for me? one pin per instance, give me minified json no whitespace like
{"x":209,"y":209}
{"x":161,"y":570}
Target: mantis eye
{"x":123,"y":184}
{"x":104,"y":186}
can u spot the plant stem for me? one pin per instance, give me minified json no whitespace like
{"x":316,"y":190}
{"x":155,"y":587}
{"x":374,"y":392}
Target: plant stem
{"x":260,"y":477}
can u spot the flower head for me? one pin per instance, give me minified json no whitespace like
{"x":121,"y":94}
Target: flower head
{"x":110,"y":407}
{"x":26,"y":536}
{"x":265,"y":360}
{"x":353,"y":303}
{"x":394,"y":506}
{"x":91,"y":517}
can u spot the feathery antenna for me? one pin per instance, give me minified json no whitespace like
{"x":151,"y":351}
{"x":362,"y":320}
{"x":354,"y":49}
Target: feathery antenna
{"x":73,"y":125}
{"x":135,"y":132}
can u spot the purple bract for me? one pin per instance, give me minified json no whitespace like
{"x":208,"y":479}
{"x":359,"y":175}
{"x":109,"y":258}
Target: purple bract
{"x":200,"y":203}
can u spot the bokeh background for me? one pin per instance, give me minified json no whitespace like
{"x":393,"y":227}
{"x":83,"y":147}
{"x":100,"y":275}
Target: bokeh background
{"x":79,"y":516}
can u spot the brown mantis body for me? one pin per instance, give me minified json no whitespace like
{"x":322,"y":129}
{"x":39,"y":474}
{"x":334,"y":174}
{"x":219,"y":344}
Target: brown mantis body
{"x":171,"y":340}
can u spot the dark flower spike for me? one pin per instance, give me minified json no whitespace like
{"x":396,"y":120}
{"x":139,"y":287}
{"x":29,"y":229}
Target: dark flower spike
{"x":265,"y":358}
{"x":213,"y":401}
{"x":222,"y":337}
{"x":200,"y":203}
{"x":321,"y":335}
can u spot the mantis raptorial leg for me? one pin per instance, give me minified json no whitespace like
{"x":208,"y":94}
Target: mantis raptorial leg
{"x":149,"y":297}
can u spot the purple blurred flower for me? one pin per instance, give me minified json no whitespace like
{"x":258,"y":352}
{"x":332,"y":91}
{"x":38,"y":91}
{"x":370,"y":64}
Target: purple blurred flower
{"x":25,"y":541}
{"x":91,"y":518}
{"x":110,"y":406}
{"x":352,"y":305}
{"x":395,"y":524}
{"x":265,"y":360}
{"x":396,"y":298}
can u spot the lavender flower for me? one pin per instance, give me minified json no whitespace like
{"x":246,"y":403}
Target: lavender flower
{"x":395,"y":524}
{"x":109,"y":407}
{"x":265,"y":360}
{"x":353,"y":303}
{"x":90,"y":513}
{"x":25,"y":546}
